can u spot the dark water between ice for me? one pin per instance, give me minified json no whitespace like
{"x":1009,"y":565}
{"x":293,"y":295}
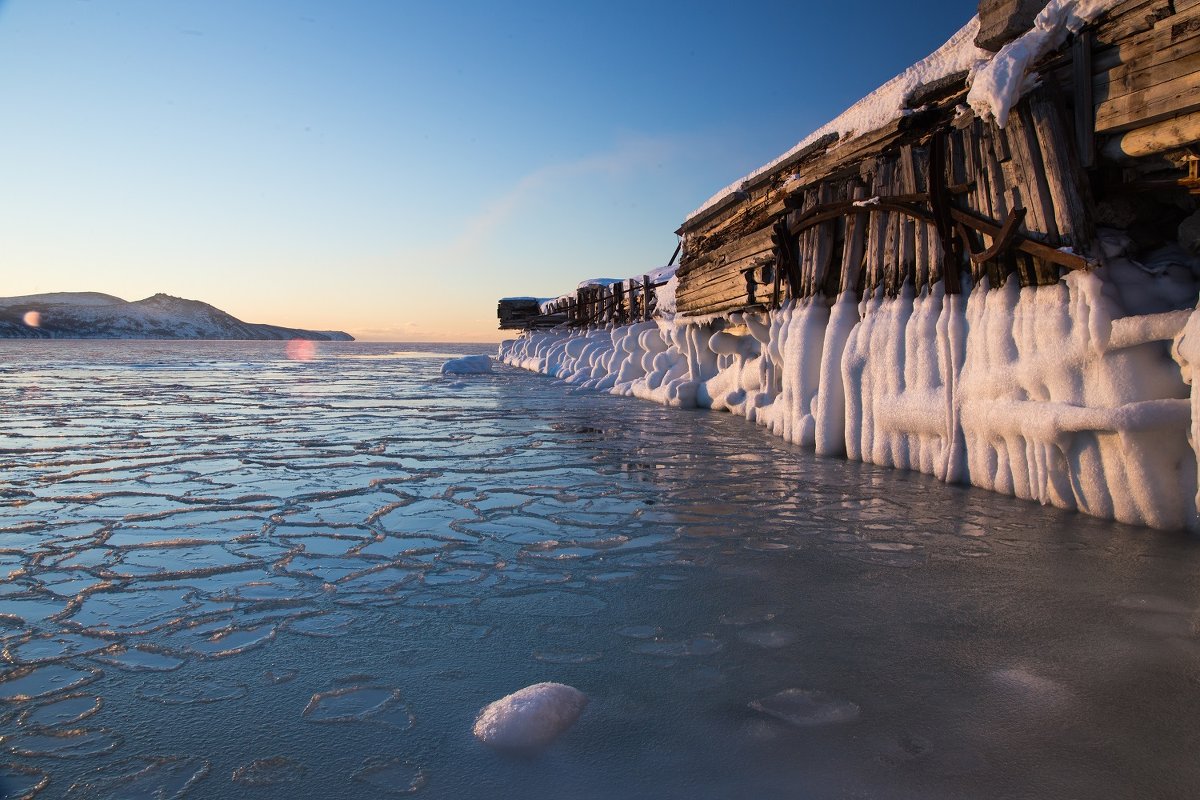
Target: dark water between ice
{"x":234,"y":575}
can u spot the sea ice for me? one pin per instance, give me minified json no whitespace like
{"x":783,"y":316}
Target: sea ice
{"x":530,"y":719}
{"x":391,"y":775}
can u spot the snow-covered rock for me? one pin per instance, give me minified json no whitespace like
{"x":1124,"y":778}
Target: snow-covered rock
{"x":92,"y":315}
{"x":530,"y":719}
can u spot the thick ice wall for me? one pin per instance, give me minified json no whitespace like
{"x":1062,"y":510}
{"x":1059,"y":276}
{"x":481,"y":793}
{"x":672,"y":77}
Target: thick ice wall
{"x":1058,"y":409}
{"x":1042,"y":393}
{"x":899,"y":371}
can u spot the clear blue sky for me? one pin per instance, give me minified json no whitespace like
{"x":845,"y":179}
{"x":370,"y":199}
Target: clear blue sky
{"x":391,"y":168}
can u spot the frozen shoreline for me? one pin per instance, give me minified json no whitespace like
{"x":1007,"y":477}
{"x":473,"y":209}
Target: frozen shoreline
{"x":1045,"y":393}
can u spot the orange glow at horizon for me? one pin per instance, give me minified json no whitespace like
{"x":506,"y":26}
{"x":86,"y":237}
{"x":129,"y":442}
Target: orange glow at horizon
{"x":301,"y":350}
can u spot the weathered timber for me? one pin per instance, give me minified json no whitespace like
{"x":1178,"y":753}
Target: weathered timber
{"x":1001,"y":21}
{"x":1159,"y":137}
{"x":1070,"y":197}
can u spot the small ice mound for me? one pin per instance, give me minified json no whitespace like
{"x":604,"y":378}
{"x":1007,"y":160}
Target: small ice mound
{"x":530,"y":719}
{"x":806,"y":709}
{"x":467,"y":365}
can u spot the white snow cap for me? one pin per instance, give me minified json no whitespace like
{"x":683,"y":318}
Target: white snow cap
{"x":530,"y":719}
{"x":998,"y":83}
{"x":467,"y":365}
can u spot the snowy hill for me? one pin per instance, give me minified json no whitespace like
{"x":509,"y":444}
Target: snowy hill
{"x":92,"y":315}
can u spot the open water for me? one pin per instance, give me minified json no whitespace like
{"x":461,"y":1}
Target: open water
{"x":229,"y":573}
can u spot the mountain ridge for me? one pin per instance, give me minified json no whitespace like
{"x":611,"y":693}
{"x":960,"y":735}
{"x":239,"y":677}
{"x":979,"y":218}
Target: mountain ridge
{"x":95,"y":315}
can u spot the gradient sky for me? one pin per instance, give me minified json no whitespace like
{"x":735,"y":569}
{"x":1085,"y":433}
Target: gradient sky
{"x":391,"y":168}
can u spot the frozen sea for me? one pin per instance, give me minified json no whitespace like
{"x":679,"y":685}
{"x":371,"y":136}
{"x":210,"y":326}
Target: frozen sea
{"x":231,"y":574}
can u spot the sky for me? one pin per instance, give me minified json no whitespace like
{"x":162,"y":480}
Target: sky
{"x":392,"y":168}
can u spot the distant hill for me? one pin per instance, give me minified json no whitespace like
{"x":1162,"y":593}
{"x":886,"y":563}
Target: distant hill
{"x":92,"y":315}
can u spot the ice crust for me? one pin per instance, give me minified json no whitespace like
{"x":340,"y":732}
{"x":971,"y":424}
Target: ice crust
{"x":530,"y":719}
{"x":1045,"y":393}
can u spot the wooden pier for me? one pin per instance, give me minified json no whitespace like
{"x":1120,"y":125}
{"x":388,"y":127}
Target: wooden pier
{"x":941,"y":195}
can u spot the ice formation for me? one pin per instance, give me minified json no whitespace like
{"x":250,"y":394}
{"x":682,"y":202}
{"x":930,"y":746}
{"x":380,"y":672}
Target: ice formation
{"x":1046,"y":393}
{"x":467,"y":365}
{"x":530,"y":719}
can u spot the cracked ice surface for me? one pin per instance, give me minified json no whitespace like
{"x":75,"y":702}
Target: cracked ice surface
{"x":227,"y":574}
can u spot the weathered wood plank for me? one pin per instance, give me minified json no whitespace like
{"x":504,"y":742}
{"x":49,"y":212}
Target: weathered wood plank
{"x":1063,"y":173}
{"x":1173,"y":97}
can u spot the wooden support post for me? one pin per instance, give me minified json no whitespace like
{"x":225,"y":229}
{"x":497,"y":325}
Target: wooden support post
{"x":647,"y":293}
{"x":1085,"y":110}
{"x":852,"y":254}
{"x":1065,"y":179}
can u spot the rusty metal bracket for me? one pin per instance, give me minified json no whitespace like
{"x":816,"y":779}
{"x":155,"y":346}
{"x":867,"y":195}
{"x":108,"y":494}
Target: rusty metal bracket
{"x":939,"y":204}
{"x":1001,"y":243}
{"x":1020,"y":242}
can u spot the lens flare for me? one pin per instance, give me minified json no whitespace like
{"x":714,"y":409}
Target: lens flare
{"x":33,"y":319}
{"x":301,"y":350}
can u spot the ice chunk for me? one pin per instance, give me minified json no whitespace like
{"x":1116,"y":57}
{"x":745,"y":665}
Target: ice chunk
{"x":391,"y":775}
{"x":62,"y":711}
{"x":467,"y":365}
{"x":358,"y":704}
{"x":160,"y":777}
{"x":75,"y":743}
{"x":806,"y":708}
{"x":26,"y":683}
{"x":530,"y":719}
{"x":20,"y":781}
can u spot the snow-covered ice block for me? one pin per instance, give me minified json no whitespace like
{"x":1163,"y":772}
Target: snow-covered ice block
{"x":530,"y":719}
{"x":467,"y":364}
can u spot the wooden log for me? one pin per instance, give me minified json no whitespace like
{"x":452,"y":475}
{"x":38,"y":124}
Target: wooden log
{"x":1159,"y":137}
{"x":1065,"y":178}
{"x":824,"y":242}
{"x":877,"y":230}
{"x":855,"y":244}
{"x":907,"y":255}
{"x":891,"y":233}
{"x":1085,"y":109}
